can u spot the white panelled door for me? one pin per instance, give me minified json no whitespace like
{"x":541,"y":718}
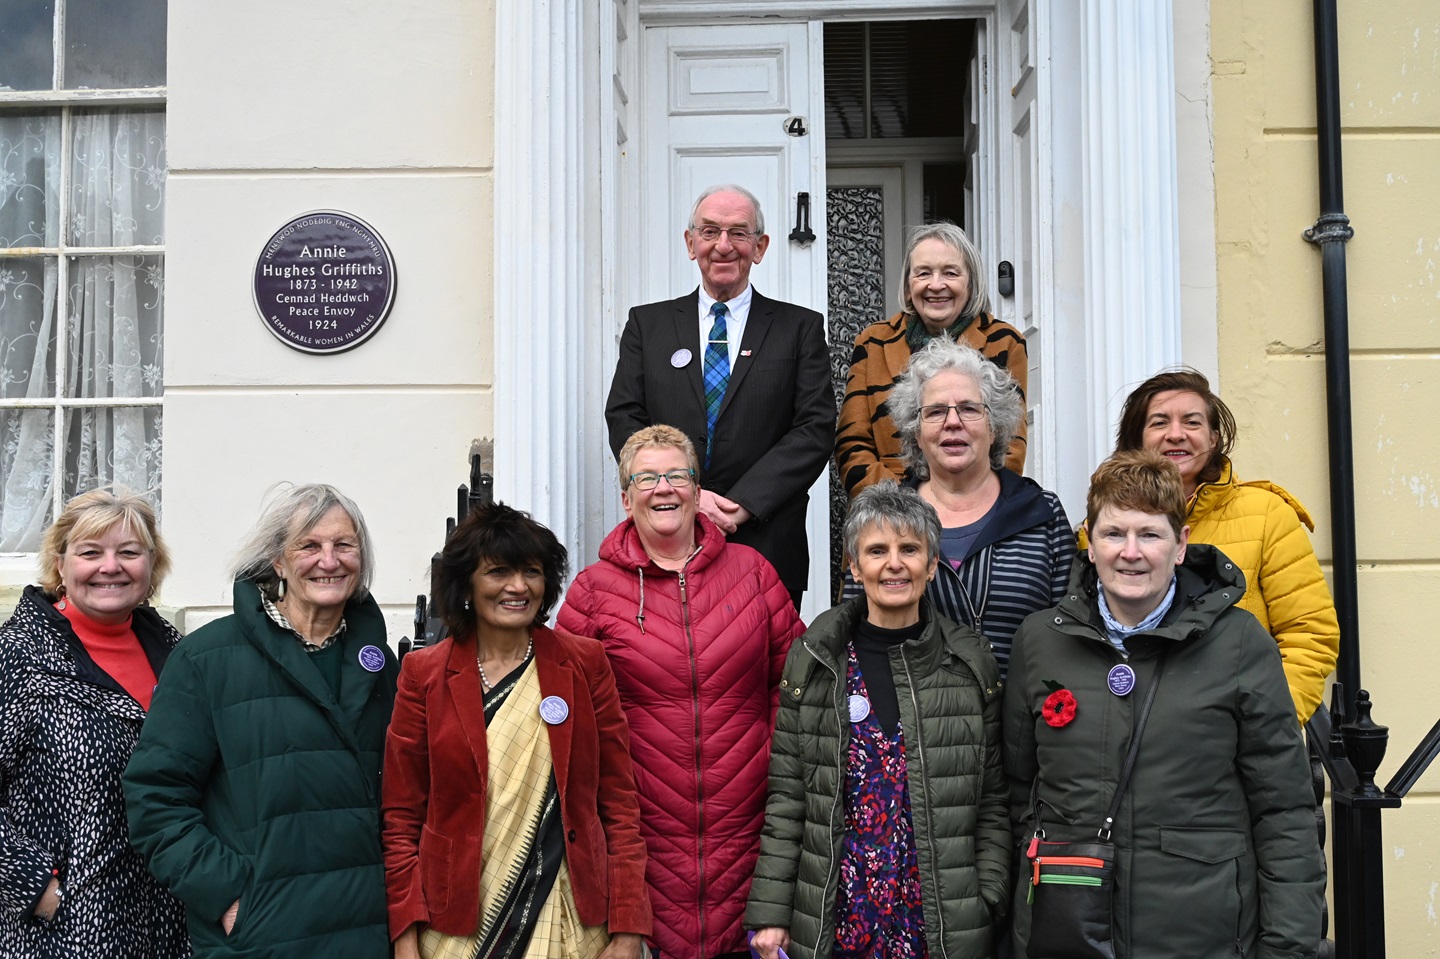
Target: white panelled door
{"x":1021,"y":166}
{"x":721,"y":105}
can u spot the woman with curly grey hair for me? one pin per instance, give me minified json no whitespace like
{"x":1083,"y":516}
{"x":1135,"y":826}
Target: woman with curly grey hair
{"x":943,"y":296}
{"x":1006,"y":546}
{"x":254,"y":793}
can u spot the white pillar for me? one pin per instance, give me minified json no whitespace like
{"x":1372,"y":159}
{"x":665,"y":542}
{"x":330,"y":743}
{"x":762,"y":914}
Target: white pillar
{"x":1132,"y":288}
{"x":546,"y":290}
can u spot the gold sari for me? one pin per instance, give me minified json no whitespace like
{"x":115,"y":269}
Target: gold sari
{"x":527,"y":908}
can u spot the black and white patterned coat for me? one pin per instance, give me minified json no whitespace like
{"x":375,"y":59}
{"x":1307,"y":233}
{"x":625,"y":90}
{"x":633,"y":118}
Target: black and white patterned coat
{"x":66,"y":732}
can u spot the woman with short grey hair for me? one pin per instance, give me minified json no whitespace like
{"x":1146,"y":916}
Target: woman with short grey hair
{"x":943,"y":296}
{"x":254,"y":793}
{"x":884,"y":702}
{"x":1005,"y":547}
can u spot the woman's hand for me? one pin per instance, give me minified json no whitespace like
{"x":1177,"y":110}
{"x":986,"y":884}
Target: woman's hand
{"x":49,"y":901}
{"x":769,"y":941}
{"x":623,"y":945}
{"x":407,"y":944}
{"x":227,"y":921}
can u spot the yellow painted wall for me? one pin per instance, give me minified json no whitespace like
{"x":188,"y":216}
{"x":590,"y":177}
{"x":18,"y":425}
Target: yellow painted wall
{"x":1271,"y":345}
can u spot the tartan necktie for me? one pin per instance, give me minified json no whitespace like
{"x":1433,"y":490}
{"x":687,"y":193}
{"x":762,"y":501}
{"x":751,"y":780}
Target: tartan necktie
{"x":717,"y":374}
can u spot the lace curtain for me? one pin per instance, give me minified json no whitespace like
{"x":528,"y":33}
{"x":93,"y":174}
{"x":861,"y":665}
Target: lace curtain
{"x":114,"y":177}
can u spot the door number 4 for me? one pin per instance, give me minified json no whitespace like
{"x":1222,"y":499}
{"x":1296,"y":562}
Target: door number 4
{"x":795,"y":126}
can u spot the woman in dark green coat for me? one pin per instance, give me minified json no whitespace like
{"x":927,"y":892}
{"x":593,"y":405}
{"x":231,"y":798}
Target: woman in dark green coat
{"x":885,"y":832}
{"x":1215,"y":855}
{"x":254,"y":792}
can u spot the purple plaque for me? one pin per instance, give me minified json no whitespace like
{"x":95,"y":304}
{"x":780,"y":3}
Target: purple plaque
{"x":324,"y":282}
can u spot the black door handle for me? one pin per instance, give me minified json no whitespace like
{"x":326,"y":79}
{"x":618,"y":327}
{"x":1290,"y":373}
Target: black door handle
{"x":802,"y":233}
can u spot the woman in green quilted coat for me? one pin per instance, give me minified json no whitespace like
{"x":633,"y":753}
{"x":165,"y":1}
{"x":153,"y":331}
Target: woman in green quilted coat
{"x":886,"y":831}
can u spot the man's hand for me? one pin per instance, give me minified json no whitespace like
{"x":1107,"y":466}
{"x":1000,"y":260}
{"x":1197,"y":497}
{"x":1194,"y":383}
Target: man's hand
{"x":724,"y":513}
{"x":768,"y":942}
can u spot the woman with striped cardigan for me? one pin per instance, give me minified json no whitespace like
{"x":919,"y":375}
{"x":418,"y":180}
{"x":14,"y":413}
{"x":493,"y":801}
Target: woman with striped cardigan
{"x":1006,"y":547}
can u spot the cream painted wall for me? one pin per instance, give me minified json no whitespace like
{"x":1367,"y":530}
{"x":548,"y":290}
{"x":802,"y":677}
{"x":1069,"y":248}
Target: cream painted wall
{"x":276,"y":109}
{"x":1271,"y":344}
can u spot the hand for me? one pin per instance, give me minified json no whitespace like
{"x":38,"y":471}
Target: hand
{"x":227,"y":921}
{"x":623,"y":945}
{"x":49,"y":901}
{"x":768,"y":942}
{"x":407,"y":944}
{"x":724,"y":513}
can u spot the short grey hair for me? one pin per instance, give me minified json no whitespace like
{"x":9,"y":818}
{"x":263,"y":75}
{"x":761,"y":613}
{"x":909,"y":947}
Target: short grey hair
{"x":293,"y":512}
{"x":900,"y":508}
{"x":955,"y":238}
{"x":998,"y":391}
{"x":710,"y":191}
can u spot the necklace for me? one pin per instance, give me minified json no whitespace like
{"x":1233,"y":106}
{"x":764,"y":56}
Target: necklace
{"x":485,"y":680}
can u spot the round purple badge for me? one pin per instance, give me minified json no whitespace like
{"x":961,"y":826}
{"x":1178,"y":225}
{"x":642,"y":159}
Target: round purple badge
{"x":372,"y":658}
{"x":554,"y":710}
{"x":859,"y":708}
{"x":1121,"y":679}
{"x":324,"y":282}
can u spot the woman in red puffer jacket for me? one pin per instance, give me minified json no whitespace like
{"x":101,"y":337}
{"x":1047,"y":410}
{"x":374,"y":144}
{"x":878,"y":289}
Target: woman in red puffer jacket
{"x":697,"y":631}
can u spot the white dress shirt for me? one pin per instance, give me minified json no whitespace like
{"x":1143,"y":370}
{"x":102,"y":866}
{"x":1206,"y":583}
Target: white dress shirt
{"x":734,"y":322}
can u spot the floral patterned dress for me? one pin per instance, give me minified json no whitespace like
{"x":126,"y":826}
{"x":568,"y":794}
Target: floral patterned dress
{"x":878,"y":912}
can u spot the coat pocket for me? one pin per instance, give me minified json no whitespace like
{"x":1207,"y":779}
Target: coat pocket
{"x":436,"y":859}
{"x":1215,"y":868}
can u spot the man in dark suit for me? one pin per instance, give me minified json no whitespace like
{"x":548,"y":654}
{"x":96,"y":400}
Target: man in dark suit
{"x":747,"y":378}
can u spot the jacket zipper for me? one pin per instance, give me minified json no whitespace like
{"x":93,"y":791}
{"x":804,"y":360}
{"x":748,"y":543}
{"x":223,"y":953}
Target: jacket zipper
{"x":929,"y":810}
{"x":840,"y":762}
{"x":699,"y":776}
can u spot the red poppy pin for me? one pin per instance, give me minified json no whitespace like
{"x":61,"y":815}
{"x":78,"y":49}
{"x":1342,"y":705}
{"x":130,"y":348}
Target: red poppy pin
{"x":1059,"y":708}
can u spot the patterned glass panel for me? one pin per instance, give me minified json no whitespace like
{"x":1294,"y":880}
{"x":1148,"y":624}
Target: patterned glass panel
{"x":115,"y":311}
{"x":27,"y":443}
{"x":27,"y":327}
{"x":113,"y":445}
{"x":856,"y":263}
{"x":29,"y":179}
{"x":117,"y":178}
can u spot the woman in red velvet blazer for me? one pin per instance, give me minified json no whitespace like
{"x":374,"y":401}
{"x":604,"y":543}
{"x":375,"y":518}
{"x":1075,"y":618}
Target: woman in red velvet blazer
{"x":528,"y":720}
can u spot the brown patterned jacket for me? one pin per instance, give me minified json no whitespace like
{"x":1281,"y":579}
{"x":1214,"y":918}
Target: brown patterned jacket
{"x":867,"y":444}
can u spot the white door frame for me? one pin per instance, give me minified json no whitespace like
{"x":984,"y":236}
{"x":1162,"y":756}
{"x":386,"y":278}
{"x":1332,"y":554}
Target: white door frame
{"x":559,"y":94}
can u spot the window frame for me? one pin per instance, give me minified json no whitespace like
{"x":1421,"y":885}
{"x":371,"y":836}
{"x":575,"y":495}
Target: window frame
{"x":65,"y":103}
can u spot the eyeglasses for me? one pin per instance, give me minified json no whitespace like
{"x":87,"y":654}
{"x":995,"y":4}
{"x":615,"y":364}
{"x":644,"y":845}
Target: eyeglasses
{"x":678,"y":479}
{"x":739,"y":236}
{"x":939,"y":412}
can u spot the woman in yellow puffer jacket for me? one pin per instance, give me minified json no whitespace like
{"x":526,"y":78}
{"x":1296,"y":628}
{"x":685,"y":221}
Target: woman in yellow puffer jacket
{"x":1256,"y":524}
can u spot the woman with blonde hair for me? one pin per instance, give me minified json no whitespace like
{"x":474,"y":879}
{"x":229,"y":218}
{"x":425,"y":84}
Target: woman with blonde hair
{"x":79,"y":660}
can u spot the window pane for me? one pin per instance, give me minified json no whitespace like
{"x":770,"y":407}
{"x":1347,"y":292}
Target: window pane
{"x":918,"y":76}
{"x":27,"y":47}
{"x":27,"y":441}
{"x":113,"y":445}
{"x":117,"y":178}
{"x":114,"y":44}
{"x":115,"y":337}
{"x":845,"y":81}
{"x":27,"y":327}
{"x":29,"y":179}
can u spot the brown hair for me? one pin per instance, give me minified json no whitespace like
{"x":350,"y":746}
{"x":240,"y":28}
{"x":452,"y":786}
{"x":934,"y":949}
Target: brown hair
{"x":1130,"y":434}
{"x":503,"y":535}
{"x":93,"y":514}
{"x":659,"y":436}
{"x":1140,"y":480}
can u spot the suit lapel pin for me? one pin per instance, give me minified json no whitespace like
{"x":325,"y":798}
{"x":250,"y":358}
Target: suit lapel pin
{"x":680,"y":358}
